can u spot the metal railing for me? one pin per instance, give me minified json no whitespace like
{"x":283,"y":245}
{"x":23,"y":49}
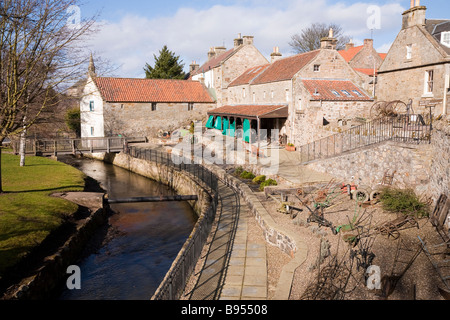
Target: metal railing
{"x":402,"y":128}
{"x":175,"y":280}
{"x":73,"y":146}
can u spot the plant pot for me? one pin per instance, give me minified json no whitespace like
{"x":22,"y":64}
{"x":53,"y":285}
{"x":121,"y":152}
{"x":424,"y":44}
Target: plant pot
{"x":290,"y":148}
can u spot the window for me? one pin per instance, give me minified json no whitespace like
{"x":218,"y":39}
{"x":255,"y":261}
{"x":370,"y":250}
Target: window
{"x":316,"y":67}
{"x":91,"y":106}
{"x":316,"y":92}
{"x":335,"y":93}
{"x":254,"y":97}
{"x":243,"y":92}
{"x":299,"y":105}
{"x":190,"y":106}
{"x":346,"y":93}
{"x":92,"y":131}
{"x":154,"y":106}
{"x":429,"y":81}
{"x":287,"y":95}
{"x":271,"y":93}
{"x":357,"y":93}
{"x":445,"y":38}
{"x":409,"y":51}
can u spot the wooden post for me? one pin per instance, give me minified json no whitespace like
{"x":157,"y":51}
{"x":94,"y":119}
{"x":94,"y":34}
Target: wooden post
{"x":108,"y":145}
{"x":74,"y":152}
{"x":55,"y":146}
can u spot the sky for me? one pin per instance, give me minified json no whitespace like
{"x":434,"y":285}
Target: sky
{"x":131,"y":32}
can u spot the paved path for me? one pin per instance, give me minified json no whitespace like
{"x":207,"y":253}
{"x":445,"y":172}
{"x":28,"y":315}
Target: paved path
{"x":234,"y":269}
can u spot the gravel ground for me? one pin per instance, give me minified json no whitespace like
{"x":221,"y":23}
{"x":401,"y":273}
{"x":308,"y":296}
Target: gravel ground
{"x":420,"y":281}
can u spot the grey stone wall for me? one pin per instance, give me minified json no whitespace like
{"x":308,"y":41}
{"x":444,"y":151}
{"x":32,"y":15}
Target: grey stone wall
{"x":138,"y":119}
{"x":425,"y":168}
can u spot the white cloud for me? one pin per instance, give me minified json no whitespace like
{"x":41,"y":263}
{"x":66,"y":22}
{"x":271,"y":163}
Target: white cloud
{"x":132,"y":41}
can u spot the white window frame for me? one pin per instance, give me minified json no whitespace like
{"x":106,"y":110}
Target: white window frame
{"x":409,"y":52}
{"x":445,"y":38}
{"x":92,"y":131}
{"x":429,"y":82}
{"x":91,"y":105}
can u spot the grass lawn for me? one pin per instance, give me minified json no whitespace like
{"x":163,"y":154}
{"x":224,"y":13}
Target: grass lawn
{"x":27,"y":213}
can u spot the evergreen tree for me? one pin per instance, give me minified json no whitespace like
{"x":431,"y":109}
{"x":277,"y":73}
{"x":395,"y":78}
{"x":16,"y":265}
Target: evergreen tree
{"x":167,"y":66}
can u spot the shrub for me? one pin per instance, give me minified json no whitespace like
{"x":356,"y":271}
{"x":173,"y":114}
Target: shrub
{"x":403,"y":201}
{"x":268,"y":182}
{"x":259,"y":179}
{"x":238,"y":171}
{"x":247,"y":175}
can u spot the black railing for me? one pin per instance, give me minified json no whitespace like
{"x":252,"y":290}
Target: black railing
{"x":402,"y":128}
{"x":175,"y":280}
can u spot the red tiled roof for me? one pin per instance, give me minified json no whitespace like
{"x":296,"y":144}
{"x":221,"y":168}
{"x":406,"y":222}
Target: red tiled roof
{"x":285,"y":69}
{"x":321,"y":89}
{"x":249,"y":75}
{"x":151,"y":90}
{"x":350,"y":53}
{"x":214,"y":62}
{"x":251,"y":110}
{"x":367,"y":71}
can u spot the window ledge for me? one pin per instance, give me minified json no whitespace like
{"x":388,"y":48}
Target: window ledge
{"x":428,"y":95}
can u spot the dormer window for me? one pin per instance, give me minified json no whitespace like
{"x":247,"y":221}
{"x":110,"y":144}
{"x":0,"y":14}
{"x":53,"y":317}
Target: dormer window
{"x":316,"y":92}
{"x":346,"y":93}
{"x":335,"y":93}
{"x":445,"y":38}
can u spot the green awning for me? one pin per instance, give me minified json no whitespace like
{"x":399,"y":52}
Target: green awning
{"x":232,"y":130}
{"x":210,"y":123}
{"x":218,"y":124}
{"x":226,"y":123}
{"x":247,"y":132}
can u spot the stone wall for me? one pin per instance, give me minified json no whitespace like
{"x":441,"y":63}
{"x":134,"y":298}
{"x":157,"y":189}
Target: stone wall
{"x":138,"y":119}
{"x":424,"y":168}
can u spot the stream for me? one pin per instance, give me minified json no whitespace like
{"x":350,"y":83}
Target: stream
{"x":142,"y":240}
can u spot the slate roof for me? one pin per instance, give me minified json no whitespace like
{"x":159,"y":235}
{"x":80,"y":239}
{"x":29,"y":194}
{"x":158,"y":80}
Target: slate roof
{"x":322,"y":89}
{"x":252,"y":110}
{"x":435,"y":28}
{"x":249,"y":75}
{"x":214,"y":62}
{"x":151,"y":90}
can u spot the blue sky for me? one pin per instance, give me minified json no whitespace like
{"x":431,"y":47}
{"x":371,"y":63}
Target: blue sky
{"x":132,"y":31}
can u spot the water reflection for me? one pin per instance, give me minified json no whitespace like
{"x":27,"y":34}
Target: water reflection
{"x":132,"y":265}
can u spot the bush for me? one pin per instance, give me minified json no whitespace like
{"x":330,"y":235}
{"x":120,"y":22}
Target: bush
{"x":247,"y":175}
{"x":238,"y":171}
{"x":403,"y":201}
{"x":259,"y":179}
{"x":268,"y":182}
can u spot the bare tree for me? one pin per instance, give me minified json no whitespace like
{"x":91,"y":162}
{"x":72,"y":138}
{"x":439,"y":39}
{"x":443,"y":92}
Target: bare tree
{"x":41,"y":51}
{"x":309,"y":38}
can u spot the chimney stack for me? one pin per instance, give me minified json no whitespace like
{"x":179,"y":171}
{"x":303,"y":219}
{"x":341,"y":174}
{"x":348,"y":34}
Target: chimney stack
{"x":248,"y":40}
{"x":416,"y":15}
{"x":238,"y":41}
{"x":193,"y":67}
{"x":329,"y":42}
{"x":349,"y":45}
{"x":368,"y":43}
{"x":211,"y":53}
{"x":275,"y":55}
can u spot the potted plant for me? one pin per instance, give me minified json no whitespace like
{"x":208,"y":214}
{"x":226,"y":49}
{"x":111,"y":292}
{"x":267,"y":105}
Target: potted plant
{"x":290,"y":147}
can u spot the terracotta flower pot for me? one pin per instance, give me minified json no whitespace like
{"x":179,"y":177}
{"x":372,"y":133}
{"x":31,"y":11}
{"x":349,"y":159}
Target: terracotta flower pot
{"x":290,"y":148}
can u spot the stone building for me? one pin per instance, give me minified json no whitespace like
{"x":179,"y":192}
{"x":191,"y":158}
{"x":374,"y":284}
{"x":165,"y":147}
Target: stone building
{"x":417,"y":66}
{"x":140,"y":107}
{"x":282,"y":89}
{"x":225,"y":65}
{"x":366,"y":61}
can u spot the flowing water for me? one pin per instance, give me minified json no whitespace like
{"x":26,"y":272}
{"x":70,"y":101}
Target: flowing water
{"x":148,"y":237}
